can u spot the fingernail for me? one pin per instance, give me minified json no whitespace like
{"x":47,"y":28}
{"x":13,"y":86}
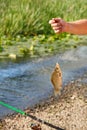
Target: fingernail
{"x":57,"y":31}
{"x":50,"y":22}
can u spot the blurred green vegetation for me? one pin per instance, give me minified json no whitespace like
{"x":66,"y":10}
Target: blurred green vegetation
{"x":30,"y":17}
{"x":27,"y":21}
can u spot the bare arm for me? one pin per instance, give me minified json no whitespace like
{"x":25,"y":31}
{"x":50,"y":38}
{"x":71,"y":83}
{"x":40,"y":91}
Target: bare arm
{"x":77,"y":27}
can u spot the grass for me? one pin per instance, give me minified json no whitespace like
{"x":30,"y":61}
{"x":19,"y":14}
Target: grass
{"x":30,"y":17}
{"x":22,"y":19}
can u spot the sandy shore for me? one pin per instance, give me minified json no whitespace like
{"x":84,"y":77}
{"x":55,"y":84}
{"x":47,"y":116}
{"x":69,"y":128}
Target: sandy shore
{"x":68,"y":112}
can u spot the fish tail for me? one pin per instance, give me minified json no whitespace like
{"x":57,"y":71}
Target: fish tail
{"x":57,"y":93}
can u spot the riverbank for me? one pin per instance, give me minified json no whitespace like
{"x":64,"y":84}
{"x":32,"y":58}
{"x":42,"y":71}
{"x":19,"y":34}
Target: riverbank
{"x":69,"y":111}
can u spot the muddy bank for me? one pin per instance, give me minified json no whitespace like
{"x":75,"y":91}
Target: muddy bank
{"x":69,"y":111}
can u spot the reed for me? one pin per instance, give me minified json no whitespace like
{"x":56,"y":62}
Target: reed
{"x":30,"y":17}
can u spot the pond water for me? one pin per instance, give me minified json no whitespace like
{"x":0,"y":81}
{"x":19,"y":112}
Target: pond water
{"x":25,"y":83}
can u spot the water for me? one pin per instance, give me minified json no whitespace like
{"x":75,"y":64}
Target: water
{"x":28,"y":82}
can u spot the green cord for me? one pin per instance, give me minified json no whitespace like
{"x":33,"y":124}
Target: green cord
{"x":12,"y":108}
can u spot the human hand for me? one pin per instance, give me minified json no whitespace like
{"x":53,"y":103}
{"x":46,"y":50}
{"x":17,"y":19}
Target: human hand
{"x":58,"y":25}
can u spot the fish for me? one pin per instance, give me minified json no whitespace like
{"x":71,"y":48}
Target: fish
{"x":56,"y":80}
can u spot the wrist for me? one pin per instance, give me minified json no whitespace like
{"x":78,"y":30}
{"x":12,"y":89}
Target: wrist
{"x":66,"y":27}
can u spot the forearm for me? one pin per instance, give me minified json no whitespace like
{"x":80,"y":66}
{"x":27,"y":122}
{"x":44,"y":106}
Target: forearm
{"x":78,"y":27}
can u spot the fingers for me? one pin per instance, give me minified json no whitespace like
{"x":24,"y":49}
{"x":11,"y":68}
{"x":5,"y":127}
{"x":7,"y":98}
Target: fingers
{"x":58,"y":30}
{"x":51,"y":21}
{"x":55,"y":20}
{"x":56,"y":25}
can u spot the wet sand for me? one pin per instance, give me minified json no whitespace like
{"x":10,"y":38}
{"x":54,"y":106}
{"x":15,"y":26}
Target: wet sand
{"x":69,"y":111}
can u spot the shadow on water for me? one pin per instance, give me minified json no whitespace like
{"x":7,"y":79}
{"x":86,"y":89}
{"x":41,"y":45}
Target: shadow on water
{"x":25,"y":83}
